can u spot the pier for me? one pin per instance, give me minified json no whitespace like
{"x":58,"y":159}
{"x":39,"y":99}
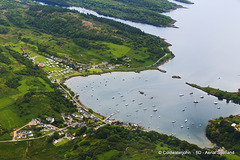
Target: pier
{"x":111,"y":115}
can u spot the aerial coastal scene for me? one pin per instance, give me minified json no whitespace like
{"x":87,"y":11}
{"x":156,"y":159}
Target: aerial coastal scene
{"x":119,"y":79}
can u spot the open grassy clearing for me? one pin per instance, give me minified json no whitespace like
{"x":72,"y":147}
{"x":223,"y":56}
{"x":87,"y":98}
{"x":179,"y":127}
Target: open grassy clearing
{"x":10,"y":119}
{"x":65,"y":140}
{"x":40,"y":59}
{"x":108,"y":155}
{"x":117,"y":50}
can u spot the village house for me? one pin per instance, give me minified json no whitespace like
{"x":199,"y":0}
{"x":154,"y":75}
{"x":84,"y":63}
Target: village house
{"x":70,"y":137}
{"x":102,"y":67}
{"x":24,"y":136}
{"x":49,"y":127}
{"x":81,"y":125}
{"x":233,"y":125}
{"x":74,"y":125}
{"x":55,"y":141}
{"x":80,"y":69}
{"x":74,"y":115}
{"x":34,"y":121}
{"x":40,"y":64}
{"x":79,"y":110}
{"x":69,"y":119}
{"x":125,"y":58}
{"x":30,"y":134}
{"x":104,"y":63}
{"x":118,"y":65}
{"x":50,"y":119}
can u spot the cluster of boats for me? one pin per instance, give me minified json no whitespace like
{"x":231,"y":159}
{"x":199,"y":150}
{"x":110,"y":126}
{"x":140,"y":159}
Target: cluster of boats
{"x":195,"y":101}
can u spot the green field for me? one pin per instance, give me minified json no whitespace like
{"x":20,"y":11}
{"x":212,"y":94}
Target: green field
{"x":65,"y":140}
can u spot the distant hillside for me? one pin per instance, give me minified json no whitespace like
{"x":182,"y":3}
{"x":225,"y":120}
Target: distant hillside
{"x":134,"y":10}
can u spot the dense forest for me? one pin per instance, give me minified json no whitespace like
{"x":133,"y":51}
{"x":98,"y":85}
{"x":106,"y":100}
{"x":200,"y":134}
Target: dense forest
{"x":137,"y":11}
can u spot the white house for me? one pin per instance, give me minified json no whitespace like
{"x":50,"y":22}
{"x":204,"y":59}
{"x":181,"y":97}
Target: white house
{"x":233,"y":125}
{"x":50,"y":119}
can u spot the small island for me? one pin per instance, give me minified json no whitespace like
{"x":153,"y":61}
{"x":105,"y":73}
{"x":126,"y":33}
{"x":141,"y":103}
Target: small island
{"x":161,"y":70}
{"x":177,"y":77}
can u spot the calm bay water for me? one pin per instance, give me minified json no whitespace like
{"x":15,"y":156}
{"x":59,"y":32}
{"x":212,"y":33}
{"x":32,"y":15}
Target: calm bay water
{"x":207,"y":48}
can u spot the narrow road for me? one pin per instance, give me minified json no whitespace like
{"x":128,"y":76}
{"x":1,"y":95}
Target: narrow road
{"x":73,"y":98}
{"x":23,"y":139}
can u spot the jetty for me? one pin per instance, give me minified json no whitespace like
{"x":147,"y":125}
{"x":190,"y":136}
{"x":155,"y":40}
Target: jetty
{"x":111,"y":115}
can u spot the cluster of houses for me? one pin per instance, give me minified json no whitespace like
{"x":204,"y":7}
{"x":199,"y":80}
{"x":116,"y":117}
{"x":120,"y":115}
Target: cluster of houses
{"x":51,"y":63}
{"x":45,"y":126}
{"x":80,"y":68}
{"x":54,"y":62}
{"x":24,"y":134}
{"x":84,"y":113}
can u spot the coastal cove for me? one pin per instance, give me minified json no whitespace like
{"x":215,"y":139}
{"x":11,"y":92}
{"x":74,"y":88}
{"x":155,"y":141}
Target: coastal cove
{"x":205,"y":55}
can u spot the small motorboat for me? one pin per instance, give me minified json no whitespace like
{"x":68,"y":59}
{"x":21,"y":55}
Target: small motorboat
{"x":180,"y":95}
{"x":195,"y":101}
